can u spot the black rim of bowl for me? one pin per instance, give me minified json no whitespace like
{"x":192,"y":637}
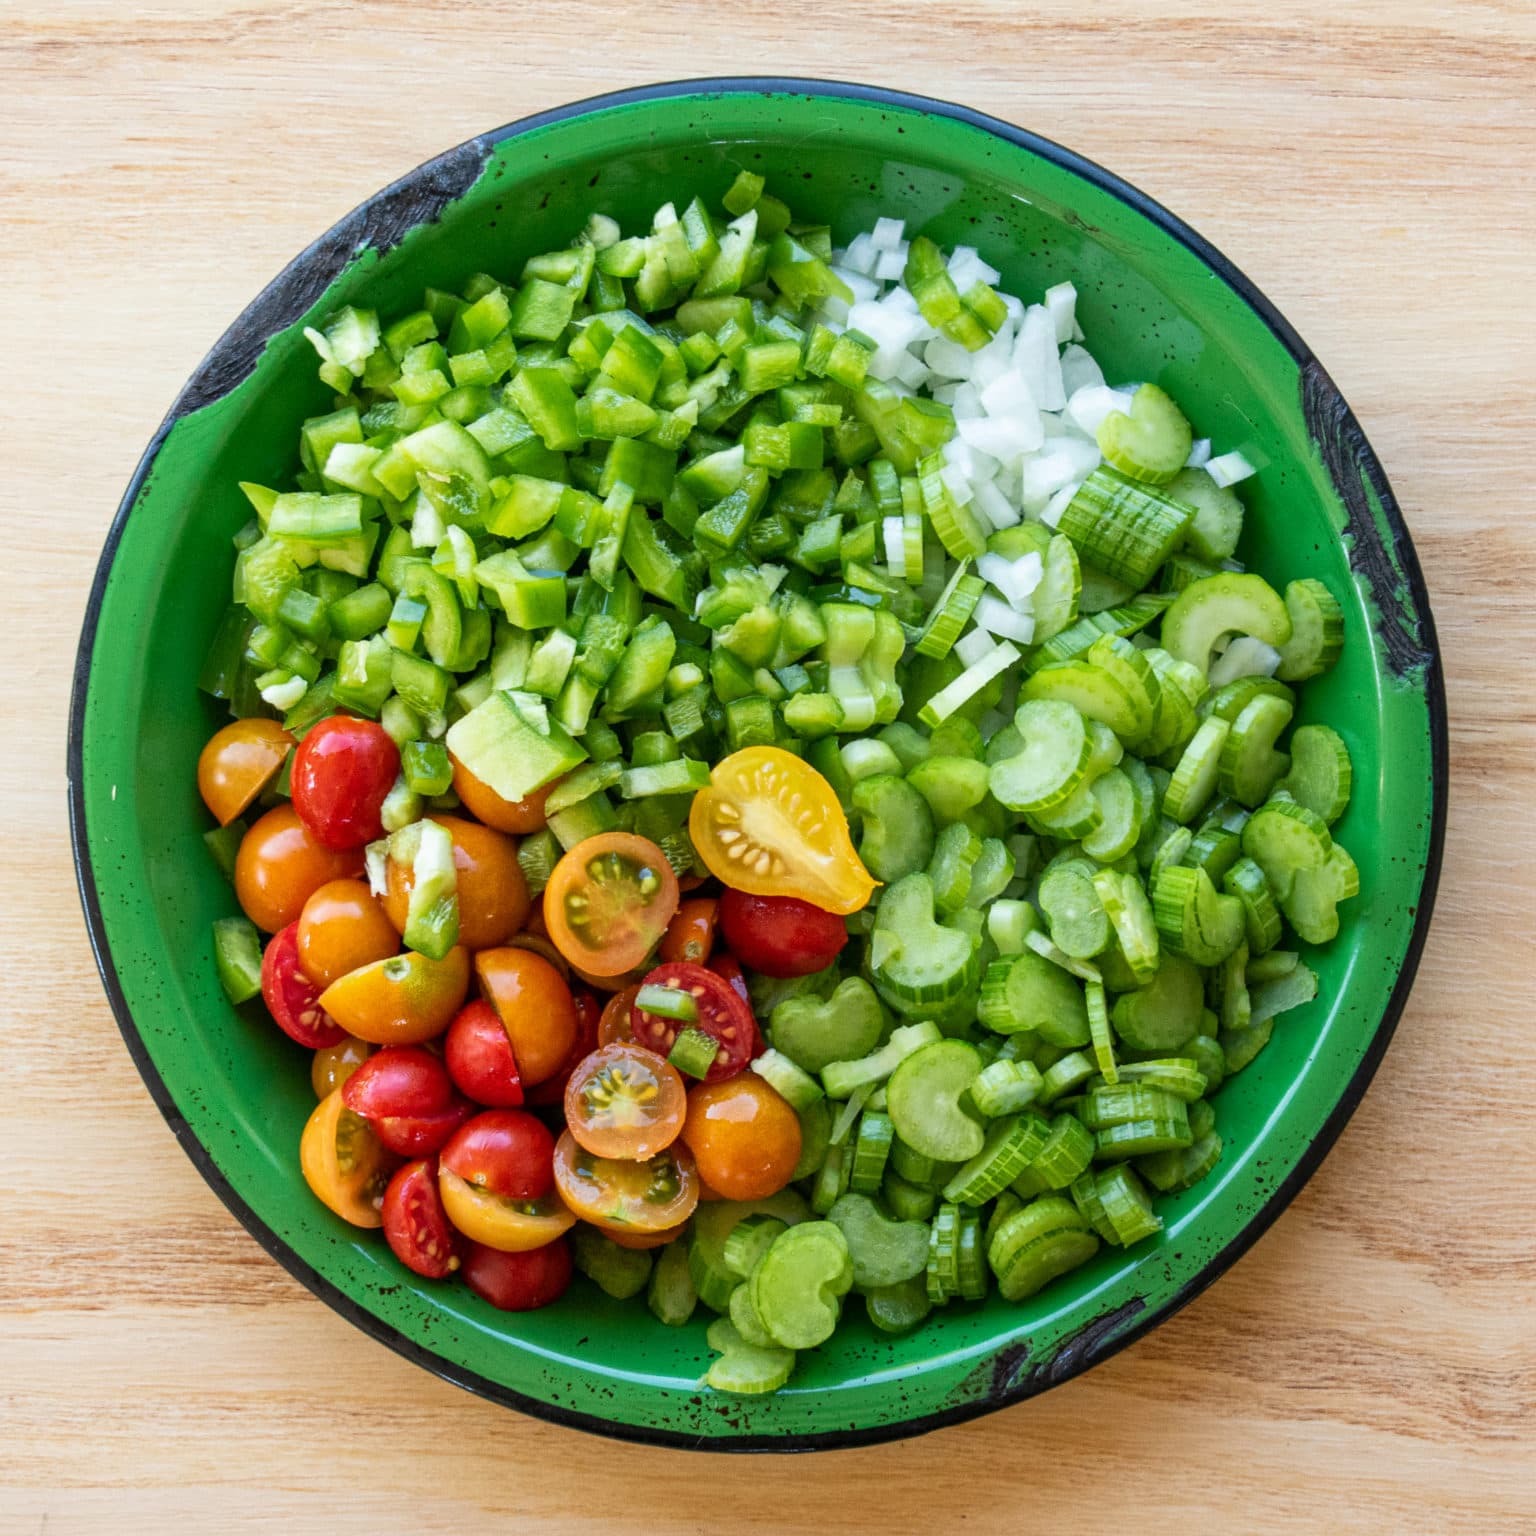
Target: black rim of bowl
{"x":1097,"y":1345}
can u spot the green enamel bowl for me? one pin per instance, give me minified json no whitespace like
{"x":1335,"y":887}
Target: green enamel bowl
{"x":1158,"y":303}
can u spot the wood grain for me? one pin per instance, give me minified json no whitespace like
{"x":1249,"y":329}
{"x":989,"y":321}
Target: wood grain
{"x":1371,"y":1366}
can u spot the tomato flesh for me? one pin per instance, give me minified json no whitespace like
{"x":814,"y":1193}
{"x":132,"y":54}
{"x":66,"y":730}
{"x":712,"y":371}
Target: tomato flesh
{"x":513,"y":1226}
{"x":781,"y":935}
{"x":505,"y":1152}
{"x":721,"y":1014}
{"x":769,"y":823}
{"x":624,"y":1101}
{"x":621,"y":1193}
{"x":609,"y":901}
{"x":344,"y":1163}
{"x":292,"y":998}
{"x":518,"y":1282}
{"x":416,"y":1226}
{"x":342,"y":771}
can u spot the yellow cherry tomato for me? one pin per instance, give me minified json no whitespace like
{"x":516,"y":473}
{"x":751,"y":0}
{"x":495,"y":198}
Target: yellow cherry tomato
{"x":513,"y":1226}
{"x":400,"y":1001}
{"x":344,"y":1163}
{"x":771,"y":825}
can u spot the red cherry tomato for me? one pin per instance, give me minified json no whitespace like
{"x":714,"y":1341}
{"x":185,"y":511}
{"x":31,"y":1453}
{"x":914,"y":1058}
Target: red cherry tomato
{"x":518,"y":1282}
{"x":421,"y":1135}
{"x":399,"y":1080}
{"x":728,"y":968}
{"x":722,"y":1013}
{"x":479,"y":1056}
{"x":780,"y":935}
{"x":588,"y":1011}
{"x":415,"y":1224}
{"x":292,"y":998}
{"x":342,"y":771}
{"x":505,"y":1152}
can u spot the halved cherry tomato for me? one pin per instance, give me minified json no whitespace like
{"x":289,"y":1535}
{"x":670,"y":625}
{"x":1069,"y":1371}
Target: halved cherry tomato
{"x":280,"y":866}
{"x":608,"y":901}
{"x":415,"y":1224}
{"x":399,"y":1080}
{"x":422,"y":1135}
{"x":690,"y":935}
{"x":552,"y":1089}
{"x":519,"y":816}
{"x":334,"y":1064}
{"x":341,"y":929}
{"x":238,"y":763}
{"x":625,"y":979}
{"x":781,"y":935}
{"x":722,"y":1014}
{"x":512,"y":1226}
{"x":647,"y":1196}
{"x":479,"y":1056}
{"x":292,"y":998}
{"x":617,"y":1022}
{"x":728,"y":969}
{"x":642,"y":1240}
{"x":540,"y":945}
{"x":624,"y":1101}
{"x":535,"y":1006}
{"x":342,"y":771}
{"x":400,"y":1001}
{"x":744,"y":1137}
{"x":518,"y":1282}
{"x":493,"y":895}
{"x":770,"y":824}
{"x":505,"y":1152}
{"x":344,"y":1163}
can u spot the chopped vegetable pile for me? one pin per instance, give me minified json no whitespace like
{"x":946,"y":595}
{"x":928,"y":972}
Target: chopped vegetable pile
{"x":779,"y":791}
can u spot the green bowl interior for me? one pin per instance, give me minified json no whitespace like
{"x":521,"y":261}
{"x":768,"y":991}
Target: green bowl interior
{"x":238,"y":1093}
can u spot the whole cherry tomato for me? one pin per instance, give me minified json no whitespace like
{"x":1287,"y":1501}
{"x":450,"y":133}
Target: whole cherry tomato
{"x":292,"y":998}
{"x":505,"y":1152}
{"x":415,"y":1224}
{"x":342,"y":772}
{"x":479,"y":1057}
{"x":519,"y":816}
{"x":400,"y":1001}
{"x":399,"y":1080}
{"x":518,"y":1282}
{"x":744,"y":1137}
{"x":279,"y":866}
{"x":780,"y":935}
{"x":618,"y":1021}
{"x":492,"y":893}
{"x":341,"y":929}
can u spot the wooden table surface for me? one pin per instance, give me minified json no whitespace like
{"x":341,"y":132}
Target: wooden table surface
{"x":1371,"y":1365}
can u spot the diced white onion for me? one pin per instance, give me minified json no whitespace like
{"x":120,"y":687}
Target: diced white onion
{"x":1093,"y":403}
{"x":967,"y":402}
{"x":989,"y":365}
{"x":285,"y":695}
{"x":894,"y":532}
{"x":1199,"y":453}
{"x":1244,"y":657}
{"x":973,"y":645}
{"x":376,"y":863}
{"x":999,"y":619}
{"x":1059,"y":503}
{"x":860,"y":255}
{"x":1038,"y":360}
{"x":911,"y":372}
{"x":944,"y":393}
{"x":1065,"y":460}
{"x":900,"y":300}
{"x":890,"y":265}
{"x":887,"y":234}
{"x":1228,"y":468}
{"x":1061,"y":306}
{"x":863,"y":287}
{"x":995,"y":506}
{"x":1078,"y":368}
{"x":1015,"y":307}
{"x":1007,"y":395}
{"x":957,"y":483}
{"x":1028,"y":572}
{"x":998,"y":571}
{"x":1004,"y":437}
{"x":967,"y":267}
{"x":948,"y":358}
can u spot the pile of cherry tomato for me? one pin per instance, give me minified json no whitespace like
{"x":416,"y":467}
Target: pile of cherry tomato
{"x":477,"y":1130}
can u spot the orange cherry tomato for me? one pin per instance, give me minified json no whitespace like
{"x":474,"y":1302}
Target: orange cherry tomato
{"x":630,"y":1239}
{"x":493,"y":896}
{"x":341,"y":929}
{"x":608,"y":901}
{"x":690,"y":936}
{"x":540,"y":945}
{"x":624,"y":1101}
{"x":344,"y":1163}
{"x":513,"y":1226}
{"x":535,"y":1006}
{"x":617,"y":1022}
{"x":648,"y":1196}
{"x":770,"y":824}
{"x":280,"y":866}
{"x":744,"y":1137}
{"x":519,"y":816}
{"x":400,"y":1001}
{"x":334,"y":1064}
{"x":238,"y":763}
{"x":620,"y":983}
